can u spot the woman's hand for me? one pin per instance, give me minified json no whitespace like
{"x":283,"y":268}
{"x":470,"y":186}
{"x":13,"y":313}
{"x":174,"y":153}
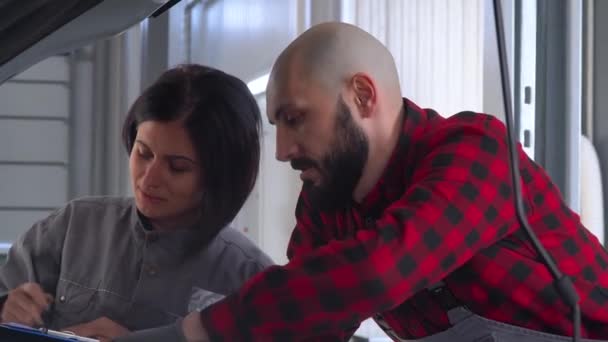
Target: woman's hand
{"x":25,"y":305}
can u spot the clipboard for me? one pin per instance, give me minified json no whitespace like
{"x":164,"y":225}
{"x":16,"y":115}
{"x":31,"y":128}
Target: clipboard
{"x":21,"y":333}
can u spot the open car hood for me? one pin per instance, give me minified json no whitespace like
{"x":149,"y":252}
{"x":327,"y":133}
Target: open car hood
{"x":33,"y":30}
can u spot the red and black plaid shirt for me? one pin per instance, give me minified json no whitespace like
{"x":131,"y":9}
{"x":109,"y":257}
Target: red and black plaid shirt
{"x":443,"y":210}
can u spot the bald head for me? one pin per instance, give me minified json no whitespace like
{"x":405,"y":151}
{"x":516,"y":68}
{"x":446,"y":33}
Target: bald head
{"x":329,"y":54}
{"x":335,"y":99}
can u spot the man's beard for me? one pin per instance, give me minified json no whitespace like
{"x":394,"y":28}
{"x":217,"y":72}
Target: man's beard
{"x":341,"y":168}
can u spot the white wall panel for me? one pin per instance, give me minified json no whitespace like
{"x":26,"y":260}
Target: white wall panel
{"x":456,"y":55}
{"x":14,"y":223}
{"x":55,"y":69}
{"x":34,"y":145}
{"x":279,"y":190}
{"x":473,"y":33}
{"x":34,"y":99}
{"x":33,"y":186}
{"x":33,"y":141}
{"x":437,"y":45}
{"x":242,"y":37}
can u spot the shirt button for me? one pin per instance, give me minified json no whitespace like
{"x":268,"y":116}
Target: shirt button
{"x":62,"y":299}
{"x":151,"y":270}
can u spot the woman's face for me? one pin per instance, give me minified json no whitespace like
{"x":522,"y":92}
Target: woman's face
{"x":165,"y":174}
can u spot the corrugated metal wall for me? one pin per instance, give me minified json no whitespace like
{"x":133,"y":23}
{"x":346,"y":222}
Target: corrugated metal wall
{"x":60,"y":126}
{"x":34,"y":145}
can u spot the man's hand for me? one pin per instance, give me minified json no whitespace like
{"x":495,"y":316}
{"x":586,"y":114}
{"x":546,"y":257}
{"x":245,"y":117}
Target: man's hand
{"x":193,"y":329}
{"x":25,"y":305}
{"x":103,"y":329}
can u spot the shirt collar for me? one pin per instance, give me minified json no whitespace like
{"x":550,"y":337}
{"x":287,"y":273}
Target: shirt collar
{"x":179,"y":241}
{"x":392,"y":183}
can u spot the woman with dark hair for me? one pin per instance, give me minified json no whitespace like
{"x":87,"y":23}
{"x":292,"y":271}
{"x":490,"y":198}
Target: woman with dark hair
{"x":105,"y":266}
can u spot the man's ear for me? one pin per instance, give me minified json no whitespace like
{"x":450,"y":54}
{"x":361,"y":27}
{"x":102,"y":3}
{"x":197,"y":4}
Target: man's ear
{"x":365,"y":93}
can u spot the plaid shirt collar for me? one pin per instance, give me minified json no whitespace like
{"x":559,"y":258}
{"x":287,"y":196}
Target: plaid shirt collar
{"x":397,"y":172}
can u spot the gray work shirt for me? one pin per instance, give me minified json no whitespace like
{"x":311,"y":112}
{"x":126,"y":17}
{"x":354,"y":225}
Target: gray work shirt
{"x":97,"y":259}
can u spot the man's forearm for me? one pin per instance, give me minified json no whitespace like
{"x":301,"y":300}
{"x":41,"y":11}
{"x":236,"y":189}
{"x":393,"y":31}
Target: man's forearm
{"x":192,"y":328}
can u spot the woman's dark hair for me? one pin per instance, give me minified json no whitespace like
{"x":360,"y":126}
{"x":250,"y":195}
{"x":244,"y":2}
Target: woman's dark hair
{"x":223,"y":122}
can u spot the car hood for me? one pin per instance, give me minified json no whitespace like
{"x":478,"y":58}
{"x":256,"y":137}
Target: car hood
{"x":33,"y":30}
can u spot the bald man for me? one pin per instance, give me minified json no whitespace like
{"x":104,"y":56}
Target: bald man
{"x":404,"y":216}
